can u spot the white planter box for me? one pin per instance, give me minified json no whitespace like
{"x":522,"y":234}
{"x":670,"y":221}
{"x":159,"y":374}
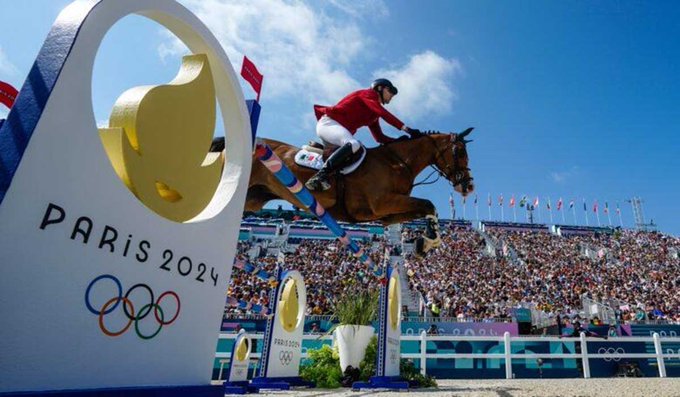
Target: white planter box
{"x":352,"y":341}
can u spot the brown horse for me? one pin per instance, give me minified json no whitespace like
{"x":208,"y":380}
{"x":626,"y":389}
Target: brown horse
{"x":379,"y":190}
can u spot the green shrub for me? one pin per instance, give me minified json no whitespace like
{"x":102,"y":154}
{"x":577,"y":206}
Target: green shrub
{"x":356,"y":309}
{"x":323,"y":368}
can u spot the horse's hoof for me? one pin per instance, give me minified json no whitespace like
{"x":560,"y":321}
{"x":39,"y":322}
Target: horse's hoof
{"x":317,"y":185}
{"x":419,"y":250}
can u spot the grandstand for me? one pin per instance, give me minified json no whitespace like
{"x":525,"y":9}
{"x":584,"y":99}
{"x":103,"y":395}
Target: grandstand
{"x":483,"y":271}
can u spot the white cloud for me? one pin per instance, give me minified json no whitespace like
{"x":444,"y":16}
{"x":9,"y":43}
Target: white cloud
{"x":425,"y":86}
{"x":368,"y":9}
{"x":302,"y":52}
{"x":7,"y":68}
{"x":563,"y":176}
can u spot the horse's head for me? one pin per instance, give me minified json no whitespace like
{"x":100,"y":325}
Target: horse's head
{"x":451,"y":160}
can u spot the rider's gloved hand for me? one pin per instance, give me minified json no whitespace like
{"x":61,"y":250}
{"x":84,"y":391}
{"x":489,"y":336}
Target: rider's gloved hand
{"x":413,"y":132}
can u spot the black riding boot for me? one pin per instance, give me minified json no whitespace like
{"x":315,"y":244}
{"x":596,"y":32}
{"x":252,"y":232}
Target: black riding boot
{"x":335,"y":162}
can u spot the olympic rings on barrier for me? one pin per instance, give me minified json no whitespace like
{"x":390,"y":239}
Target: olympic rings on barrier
{"x":286,"y":357}
{"x":129,"y":309}
{"x":611,"y":350}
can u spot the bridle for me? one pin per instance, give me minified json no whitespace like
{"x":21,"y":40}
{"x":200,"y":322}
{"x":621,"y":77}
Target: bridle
{"x":455,"y":174}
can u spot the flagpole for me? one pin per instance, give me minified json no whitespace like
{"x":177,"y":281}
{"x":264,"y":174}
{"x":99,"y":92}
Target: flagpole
{"x":464,"y":205}
{"x":609,"y":218}
{"x":597,"y":214}
{"x":451,"y":205}
{"x":585,"y":209}
{"x":502,"y":217}
{"x":488,"y":204}
{"x":514,"y":214}
{"x":563,"y":221}
{"x":477,"y":211}
{"x":619,"y":211}
{"x":550,"y":211}
{"x":573,"y":212}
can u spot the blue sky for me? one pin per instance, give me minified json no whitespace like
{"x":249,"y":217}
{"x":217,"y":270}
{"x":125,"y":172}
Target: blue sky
{"x":569,"y":99}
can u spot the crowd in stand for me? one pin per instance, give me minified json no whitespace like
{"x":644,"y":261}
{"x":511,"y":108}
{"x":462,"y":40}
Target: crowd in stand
{"x":327,"y":267}
{"x":635,"y":273}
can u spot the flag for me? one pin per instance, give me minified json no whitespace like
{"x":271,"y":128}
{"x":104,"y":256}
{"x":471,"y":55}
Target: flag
{"x":585,"y":208}
{"x":475,"y":203}
{"x":536,"y":202}
{"x":451,"y":202}
{"x":595,"y":206}
{"x":571,"y":204}
{"x":464,"y":199}
{"x":500,"y":201}
{"x":523,"y":201}
{"x":606,"y":207}
{"x":559,"y":204}
{"x":252,"y":75}
{"x":489,"y":200}
{"x":512,"y":201}
{"x":7,"y":94}
{"x":548,"y":205}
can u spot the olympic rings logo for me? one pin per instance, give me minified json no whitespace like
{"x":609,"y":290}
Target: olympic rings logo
{"x":286,"y":357}
{"x":129,"y":309}
{"x":611,"y":350}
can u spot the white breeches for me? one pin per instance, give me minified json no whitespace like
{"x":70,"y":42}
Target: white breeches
{"x":332,"y":132}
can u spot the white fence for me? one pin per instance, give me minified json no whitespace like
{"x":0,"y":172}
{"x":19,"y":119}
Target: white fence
{"x":507,"y":355}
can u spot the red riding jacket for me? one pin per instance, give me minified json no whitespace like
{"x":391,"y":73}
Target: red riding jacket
{"x":360,"y":109}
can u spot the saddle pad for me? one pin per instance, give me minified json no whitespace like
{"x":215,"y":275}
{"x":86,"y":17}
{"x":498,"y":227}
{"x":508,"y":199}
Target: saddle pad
{"x":309,"y":159}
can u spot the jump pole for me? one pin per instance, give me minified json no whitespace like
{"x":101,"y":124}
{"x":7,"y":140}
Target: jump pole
{"x":276,"y":166}
{"x":389,"y":333}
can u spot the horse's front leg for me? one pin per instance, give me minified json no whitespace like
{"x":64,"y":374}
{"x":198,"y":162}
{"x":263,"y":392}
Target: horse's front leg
{"x":405,"y":208}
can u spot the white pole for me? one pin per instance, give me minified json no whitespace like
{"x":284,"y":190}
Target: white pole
{"x":508,"y":355}
{"x":659,"y":355}
{"x":597,"y":215}
{"x":573,"y":212}
{"x":609,"y":218}
{"x":585,"y":209}
{"x":584,"y":356}
{"x":562,"y":211}
{"x":620,"y":220}
{"x":502,"y":216}
{"x":488,"y":204}
{"x":464,"y":205}
{"x":514,"y":214}
{"x":477,"y":211}
{"x":423,"y":352}
{"x":550,"y":211}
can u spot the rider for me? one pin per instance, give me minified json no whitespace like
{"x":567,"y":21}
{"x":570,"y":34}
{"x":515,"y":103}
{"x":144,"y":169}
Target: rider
{"x":338,"y":124}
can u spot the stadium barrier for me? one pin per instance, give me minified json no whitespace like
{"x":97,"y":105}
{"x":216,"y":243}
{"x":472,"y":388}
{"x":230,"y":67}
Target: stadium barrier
{"x":507,"y":354}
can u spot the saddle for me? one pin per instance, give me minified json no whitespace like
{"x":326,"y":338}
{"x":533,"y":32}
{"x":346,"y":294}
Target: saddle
{"x":314,"y":155}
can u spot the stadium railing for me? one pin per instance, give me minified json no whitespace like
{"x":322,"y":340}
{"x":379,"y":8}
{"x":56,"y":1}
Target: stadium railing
{"x":507,"y":355}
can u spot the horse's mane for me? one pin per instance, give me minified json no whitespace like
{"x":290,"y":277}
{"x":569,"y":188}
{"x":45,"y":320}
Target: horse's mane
{"x":406,"y":138}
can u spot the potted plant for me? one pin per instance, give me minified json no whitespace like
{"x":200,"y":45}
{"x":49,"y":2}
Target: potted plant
{"x":354,"y":312}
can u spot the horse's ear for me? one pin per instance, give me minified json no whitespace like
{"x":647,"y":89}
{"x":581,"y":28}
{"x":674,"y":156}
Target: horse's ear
{"x":465,"y":133}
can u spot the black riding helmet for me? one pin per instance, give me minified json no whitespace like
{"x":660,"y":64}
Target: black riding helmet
{"x":384,"y":83}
